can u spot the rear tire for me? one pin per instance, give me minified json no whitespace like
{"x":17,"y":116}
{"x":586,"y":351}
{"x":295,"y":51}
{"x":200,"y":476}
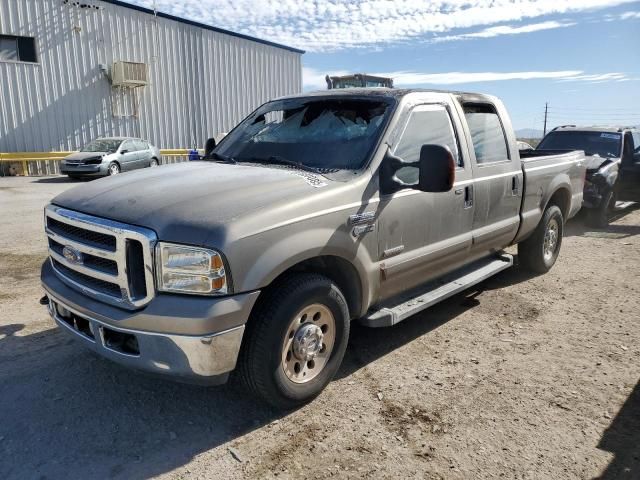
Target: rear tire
{"x":599,"y":217}
{"x":153,"y":163}
{"x":539,"y":252}
{"x":295,"y":341}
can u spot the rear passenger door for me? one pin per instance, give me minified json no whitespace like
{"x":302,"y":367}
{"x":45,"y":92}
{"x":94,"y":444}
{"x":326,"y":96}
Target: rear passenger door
{"x":144,"y":154}
{"x":128,"y":155}
{"x":497,"y":181}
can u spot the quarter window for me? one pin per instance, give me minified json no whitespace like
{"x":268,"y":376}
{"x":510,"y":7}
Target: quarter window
{"x":427,"y":125}
{"x":17,"y":49}
{"x":489,"y":142}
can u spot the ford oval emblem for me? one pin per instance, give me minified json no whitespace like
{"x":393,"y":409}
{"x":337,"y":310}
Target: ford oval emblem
{"x":72,"y":255}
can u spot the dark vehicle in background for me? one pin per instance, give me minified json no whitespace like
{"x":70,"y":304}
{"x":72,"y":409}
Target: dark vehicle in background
{"x":613,"y":165}
{"x":110,"y":156}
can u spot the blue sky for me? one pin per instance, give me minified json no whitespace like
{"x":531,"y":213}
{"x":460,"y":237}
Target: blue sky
{"x":581,"y":56}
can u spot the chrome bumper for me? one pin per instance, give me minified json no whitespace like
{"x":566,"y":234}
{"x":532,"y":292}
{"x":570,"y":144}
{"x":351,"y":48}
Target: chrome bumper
{"x":194,"y":359}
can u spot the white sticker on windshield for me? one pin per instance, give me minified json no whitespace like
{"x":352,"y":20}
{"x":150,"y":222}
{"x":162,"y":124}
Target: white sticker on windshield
{"x":612,"y":136}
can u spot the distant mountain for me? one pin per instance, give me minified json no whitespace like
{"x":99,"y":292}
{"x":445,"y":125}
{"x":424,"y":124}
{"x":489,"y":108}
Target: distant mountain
{"x":528,"y":133}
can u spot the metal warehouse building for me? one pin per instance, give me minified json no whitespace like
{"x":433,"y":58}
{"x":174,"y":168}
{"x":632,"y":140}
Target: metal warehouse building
{"x":71,"y":71}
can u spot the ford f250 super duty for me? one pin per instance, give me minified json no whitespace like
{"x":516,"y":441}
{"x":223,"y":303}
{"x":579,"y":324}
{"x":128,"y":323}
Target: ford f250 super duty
{"x":316,"y":210}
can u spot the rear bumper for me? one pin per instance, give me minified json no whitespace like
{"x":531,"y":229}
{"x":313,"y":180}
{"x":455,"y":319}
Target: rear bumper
{"x":190,"y":339}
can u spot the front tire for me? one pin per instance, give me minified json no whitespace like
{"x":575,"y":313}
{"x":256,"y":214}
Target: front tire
{"x":539,"y":252}
{"x":599,"y":217}
{"x":114,"y":169}
{"x":295,"y":340}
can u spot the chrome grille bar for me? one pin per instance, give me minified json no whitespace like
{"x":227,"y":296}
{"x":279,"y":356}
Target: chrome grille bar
{"x":123,"y":234}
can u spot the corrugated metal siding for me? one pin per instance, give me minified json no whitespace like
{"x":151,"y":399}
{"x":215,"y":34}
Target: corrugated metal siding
{"x":202,"y":82}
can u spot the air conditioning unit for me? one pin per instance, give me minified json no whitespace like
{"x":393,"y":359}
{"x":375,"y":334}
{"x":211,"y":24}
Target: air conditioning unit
{"x":129,"y":74}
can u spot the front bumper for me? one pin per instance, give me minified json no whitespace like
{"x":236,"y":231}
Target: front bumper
{"x":194,"y":339}
{"x":80,"y":169}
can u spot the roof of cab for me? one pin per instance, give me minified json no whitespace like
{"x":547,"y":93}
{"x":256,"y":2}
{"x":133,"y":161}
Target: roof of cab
{"x":383,"y":92}
{"x":593,"y":128}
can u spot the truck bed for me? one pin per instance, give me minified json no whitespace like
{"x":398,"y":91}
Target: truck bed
{"x":544,"y":172}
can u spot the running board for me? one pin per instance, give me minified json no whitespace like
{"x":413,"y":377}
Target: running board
{"x":433,"y":292}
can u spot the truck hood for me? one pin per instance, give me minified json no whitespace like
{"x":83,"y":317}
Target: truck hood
{"x":594,"y":162}
{"x":83,"y":155}
{"x":191,"y":202}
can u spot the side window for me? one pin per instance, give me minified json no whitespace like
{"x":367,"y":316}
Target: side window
{"x":636,"y":141}
{"x":427,"y":124}
{"x":489,"y":142}
{"x":128,"y":146}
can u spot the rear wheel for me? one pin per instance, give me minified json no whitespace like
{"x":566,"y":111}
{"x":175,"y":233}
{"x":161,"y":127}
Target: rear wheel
{"x":295,"y":341}
{"x":114,"y":169}
{"x":154,"y":163}
{"x":540,"y":251}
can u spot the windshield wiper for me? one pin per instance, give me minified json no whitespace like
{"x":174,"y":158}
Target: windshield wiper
{"x":278,"y":160}
{"x":218,"y":157}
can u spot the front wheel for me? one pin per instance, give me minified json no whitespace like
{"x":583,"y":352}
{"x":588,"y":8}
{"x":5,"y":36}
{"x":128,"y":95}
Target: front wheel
{"x":114,"y":169}
{"x":599,"y":217}
{"x":539,"y":252}
{"x":295,"y":340}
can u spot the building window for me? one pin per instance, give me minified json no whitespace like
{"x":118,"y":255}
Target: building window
{"x":17,"y":49}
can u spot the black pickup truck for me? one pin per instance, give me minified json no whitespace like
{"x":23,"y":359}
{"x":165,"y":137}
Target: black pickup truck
{"x":613,"y":165}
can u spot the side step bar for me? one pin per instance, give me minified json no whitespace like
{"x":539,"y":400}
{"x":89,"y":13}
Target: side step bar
{"x":433,"y":292}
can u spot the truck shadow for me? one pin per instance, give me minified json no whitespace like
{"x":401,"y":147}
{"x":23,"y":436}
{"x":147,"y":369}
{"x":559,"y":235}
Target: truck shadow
{"x":578,"y":227}
{"x":622,"y":439}
{"x":70,"y":414}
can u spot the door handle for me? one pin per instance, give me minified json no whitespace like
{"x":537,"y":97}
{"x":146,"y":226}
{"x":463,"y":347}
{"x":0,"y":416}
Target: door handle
{"x":468,"y":196}
{"x":515,"y":186}
{"x":459,"y":191}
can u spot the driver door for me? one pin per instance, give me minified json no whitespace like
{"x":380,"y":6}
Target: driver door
{"x":423,"y":235}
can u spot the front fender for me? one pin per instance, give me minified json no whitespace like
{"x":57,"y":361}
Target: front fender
{"x":277,"y":255}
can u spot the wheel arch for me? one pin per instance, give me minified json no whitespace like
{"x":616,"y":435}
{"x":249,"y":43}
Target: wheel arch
{"x":337,"y":269}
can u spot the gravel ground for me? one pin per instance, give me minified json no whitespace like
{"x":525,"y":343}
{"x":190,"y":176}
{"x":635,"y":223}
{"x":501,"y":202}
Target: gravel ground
{"x":522,"y":377}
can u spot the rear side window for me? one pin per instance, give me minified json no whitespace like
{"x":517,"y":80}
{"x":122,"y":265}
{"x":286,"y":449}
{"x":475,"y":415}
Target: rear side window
{"x":487,"y":134}
{"x":427,"y":124}
{"x":636,"y":141}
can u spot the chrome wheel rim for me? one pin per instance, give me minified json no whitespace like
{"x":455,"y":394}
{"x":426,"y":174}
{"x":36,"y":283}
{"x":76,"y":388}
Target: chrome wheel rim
{"x":114,"y":170}
{"x":154,"y":163}
{"x":551,"y":236}
{"x":308,"y":343}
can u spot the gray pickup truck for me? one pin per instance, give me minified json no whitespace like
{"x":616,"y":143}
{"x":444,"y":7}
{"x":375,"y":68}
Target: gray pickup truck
{"x":319,"y":209}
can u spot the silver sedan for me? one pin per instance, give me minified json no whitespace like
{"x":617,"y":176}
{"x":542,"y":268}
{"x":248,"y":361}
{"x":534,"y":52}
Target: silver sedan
{"x":110,"y":156}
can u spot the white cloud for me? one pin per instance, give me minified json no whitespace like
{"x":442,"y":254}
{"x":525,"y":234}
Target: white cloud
{"x":313,"y":79}
{"x":629,"y":15}
{"x":337,"y":24}
{"x":505,"y":30}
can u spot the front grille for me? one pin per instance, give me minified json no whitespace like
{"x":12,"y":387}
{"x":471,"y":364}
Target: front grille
{"x":109,"y":260}
{"x":82,"y":235}
{"x":97,"y":263}
{"x":107,"y":288}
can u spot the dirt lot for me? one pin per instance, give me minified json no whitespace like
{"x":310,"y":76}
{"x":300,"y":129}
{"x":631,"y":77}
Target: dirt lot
{"x":522,"y":378}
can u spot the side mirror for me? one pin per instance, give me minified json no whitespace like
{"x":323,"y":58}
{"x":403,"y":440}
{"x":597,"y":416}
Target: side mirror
{"x":209,"y":145}
{"x":436,"y":168}
{"x":122,"y":152}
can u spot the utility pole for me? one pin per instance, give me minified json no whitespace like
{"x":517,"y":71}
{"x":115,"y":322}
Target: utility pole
{"x":546,"y":110}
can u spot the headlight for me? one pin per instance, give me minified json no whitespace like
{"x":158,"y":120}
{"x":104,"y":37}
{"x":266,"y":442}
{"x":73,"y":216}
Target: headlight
{"x":93,"y":160}
{"x":186,"y":269}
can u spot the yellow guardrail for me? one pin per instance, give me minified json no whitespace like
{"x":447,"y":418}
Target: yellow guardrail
{"x":25,"y":157}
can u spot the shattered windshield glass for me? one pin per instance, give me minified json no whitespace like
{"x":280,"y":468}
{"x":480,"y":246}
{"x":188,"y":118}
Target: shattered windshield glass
{"x":322,"y":134}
